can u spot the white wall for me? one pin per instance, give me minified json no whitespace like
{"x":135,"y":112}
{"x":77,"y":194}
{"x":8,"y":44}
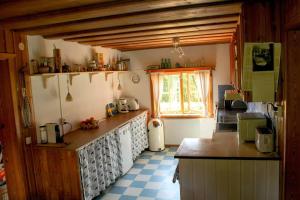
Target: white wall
{"x":177,"y":129}
{"x":71,"y":52}
{"x":89,"y":99}
{"x":103,"y":92}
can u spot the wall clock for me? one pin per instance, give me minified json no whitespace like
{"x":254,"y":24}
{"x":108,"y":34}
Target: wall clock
{"x":135,"y":78}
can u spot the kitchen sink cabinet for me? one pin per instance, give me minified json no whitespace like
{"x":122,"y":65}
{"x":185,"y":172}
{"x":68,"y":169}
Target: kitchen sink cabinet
{"x":91,"y":160}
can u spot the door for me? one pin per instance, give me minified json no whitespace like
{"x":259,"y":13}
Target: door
{"x":9,"y":138}
{"x":126,"y":149}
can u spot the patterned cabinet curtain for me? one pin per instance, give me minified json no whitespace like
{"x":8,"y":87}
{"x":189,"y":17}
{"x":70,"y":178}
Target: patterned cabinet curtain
{"x":139,"y":135}
{"x":100,"y":164}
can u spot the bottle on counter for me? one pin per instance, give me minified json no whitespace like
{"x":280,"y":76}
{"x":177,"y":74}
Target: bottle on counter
{"x":169,"y":63}
{"x":162,"y":64}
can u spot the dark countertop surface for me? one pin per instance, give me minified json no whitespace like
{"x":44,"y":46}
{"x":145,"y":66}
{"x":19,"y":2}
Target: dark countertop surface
{"x":221,"y":146}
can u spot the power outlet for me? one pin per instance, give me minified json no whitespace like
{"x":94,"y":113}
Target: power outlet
{"x":62,"y":120}
{"x":28,"y":140}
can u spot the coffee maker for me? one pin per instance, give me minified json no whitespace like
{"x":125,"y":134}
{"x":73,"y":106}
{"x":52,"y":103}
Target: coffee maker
{"x":122,"y":105}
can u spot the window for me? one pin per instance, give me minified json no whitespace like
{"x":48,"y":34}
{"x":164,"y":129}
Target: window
{"x":182,"y":93}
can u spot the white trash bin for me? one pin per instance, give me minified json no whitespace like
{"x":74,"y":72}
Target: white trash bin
{"x":156,"y":135}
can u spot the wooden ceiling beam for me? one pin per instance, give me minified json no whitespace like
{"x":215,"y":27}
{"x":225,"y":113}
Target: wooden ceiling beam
{"x":168,"y":39}
{"x":147,"y":26}
{"x":156,"y":32}
{"x":95,"y":11}
{"x":141,"y":38}
{"x":168,"y":45}
{"x":19,"y":8}
{"x":134,"y":19}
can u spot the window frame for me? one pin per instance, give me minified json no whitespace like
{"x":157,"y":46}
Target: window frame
{"x":180,"y":72}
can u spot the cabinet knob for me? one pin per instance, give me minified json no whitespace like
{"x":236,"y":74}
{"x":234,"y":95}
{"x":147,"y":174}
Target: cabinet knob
{"x":1,"y":126}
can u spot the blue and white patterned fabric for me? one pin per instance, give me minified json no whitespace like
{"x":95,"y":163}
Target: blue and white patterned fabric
{"x":139,"y":135}
{"x":150,"y":178}
{"x":100,"y":164}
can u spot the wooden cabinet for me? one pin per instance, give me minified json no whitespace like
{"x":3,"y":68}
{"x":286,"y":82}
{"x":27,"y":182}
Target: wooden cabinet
{"x":222,"y":168}
{"x":90,"y":162}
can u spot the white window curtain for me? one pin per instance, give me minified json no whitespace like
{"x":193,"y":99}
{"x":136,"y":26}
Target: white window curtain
{"x":154,"y":77}
{"x":202,"y":82}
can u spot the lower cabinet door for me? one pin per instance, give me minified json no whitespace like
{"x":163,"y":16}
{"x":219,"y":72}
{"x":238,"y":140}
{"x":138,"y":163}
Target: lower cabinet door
{"x":218,"y":179}
{"x":126,"y":148}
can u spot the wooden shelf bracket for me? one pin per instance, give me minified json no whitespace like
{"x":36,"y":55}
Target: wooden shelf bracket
{"x":71,"y":77}
{"x":106,"y":75}
{"x":45,"y":77}
{"x":91,"y":74}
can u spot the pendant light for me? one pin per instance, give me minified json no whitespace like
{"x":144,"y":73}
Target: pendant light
{"x":177,"y":47}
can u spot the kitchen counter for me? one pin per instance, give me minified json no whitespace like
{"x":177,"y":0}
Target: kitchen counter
{"x":221,"y":146}
{"x":66,"y":166}
{"x":78,"y":138}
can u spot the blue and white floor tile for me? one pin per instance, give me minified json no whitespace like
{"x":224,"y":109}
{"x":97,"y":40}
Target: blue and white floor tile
{"x":150,"y":178}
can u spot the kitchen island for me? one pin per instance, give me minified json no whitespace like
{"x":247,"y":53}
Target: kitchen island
{"x":222,"y":168}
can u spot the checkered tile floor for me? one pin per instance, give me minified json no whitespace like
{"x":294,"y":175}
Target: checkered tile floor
{"x":150,"y":178}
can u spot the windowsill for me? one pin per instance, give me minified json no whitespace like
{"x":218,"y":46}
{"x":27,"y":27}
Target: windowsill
{"x":184,"y":116}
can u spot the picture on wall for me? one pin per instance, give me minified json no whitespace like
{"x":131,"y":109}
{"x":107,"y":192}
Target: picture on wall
{"x":260,"y":58}
{"x":263,"y":57}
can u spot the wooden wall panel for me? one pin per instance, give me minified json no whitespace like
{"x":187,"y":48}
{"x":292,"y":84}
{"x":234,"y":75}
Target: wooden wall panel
{"x":292,"y":137}
{"x":261,"y":21}
{"x":47,"y":168}
{"x":292,"y":14}
{"x":214,"y":179}
{"x":232,"y":61}
{"x":12,"y":151}
{"x":23,"y":186}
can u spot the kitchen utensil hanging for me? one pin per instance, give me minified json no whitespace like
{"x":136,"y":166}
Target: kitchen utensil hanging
{"x":69,"y":97}
{"x":25,"y":102}
{"x":119,"y":85}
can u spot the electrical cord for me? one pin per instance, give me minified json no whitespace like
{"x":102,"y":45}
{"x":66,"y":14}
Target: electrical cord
{"x":275,"y":108}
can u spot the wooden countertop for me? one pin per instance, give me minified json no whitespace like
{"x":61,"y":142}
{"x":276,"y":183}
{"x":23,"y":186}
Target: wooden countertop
{"x":221,"y":146}
{"x":79,"y":138}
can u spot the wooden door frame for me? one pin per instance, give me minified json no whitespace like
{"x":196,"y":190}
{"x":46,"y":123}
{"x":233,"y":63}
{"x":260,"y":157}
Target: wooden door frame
{"x":17,"y":59}
{"x":7,"y":56}
{"x":14,"y":141}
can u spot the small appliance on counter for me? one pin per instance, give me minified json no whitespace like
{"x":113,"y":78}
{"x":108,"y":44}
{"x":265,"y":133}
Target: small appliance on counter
{"x":122,"y":105}
{"x":133,"y":104}
{"x":247,"y":124}
{"x":264,"y":140}
{"x":54,"y":134}
{"x":230,"y":96}
{"x":229,"y":104}
{"x":111,"y":110}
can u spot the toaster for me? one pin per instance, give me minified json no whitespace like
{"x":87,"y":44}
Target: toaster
{"x":264,"y":140}
{"x":133,"y":104}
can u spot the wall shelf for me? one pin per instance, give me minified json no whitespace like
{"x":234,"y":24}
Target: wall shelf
{"x":181,"y":69}
{"x":76,"y":73}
